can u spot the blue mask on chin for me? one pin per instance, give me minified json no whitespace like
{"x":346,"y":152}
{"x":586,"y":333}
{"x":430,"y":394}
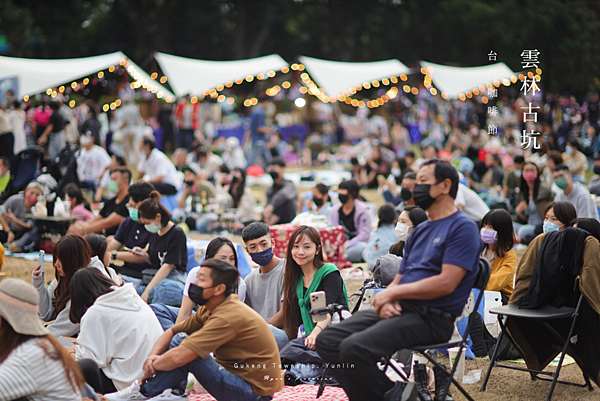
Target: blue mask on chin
{"x":550,"y":226}
{"x":263,"y":258}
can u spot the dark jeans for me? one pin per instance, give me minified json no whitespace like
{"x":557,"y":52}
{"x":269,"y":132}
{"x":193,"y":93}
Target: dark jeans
{"x":7,"y":144}
{"x":353,"y":347}
{"x":186,"y":138}
{"x":219,"y":382}
{"x":165,"y":189}
{"x":95,"y":377}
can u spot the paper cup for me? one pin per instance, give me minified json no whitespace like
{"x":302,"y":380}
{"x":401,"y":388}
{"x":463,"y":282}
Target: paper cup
{"x":416,"y":357}
{"x":460,"y":368}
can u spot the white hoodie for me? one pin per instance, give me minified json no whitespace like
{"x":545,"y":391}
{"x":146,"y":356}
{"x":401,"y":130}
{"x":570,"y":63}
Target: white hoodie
{"x":118,"y":332}
{"x":62,"y":326}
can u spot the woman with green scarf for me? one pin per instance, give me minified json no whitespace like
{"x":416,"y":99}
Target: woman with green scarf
{"x":305,"y":273}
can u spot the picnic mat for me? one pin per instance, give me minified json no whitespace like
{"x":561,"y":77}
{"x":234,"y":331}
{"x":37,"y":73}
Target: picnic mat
{"x":29,"y":256}
{"x":567,"y":361}
{"x":303,"y":392}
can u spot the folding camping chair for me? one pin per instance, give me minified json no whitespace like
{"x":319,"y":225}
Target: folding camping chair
{"x":480,"y":283}
{"x":541,"y":315}
{"x":329,"y":309}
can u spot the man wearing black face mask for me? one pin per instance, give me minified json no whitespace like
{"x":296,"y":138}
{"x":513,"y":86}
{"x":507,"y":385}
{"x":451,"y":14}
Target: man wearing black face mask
{"x":354,"y":216}
{"x":405,"y":197}
{"x":282,"y":197}
{"x":246,"y":362}
{"x":439,"y":268}
{"x":194,"y":186}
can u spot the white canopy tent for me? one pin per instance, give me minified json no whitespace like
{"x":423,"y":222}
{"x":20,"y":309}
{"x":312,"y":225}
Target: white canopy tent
{"x":193,"y":76}
{"x":454,"y":81}
{"x":335,"y":77}
{"x":38,"y":75}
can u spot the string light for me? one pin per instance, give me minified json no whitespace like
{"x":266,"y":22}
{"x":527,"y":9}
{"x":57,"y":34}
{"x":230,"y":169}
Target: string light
{"x":111,"y":68}
{"x":86,"y":81}
{"x":154,"y":75}
{"x":72,"y":103}
{"x":26,"y":98}
{"x":100,"y":74}
{"x":163,"y":79}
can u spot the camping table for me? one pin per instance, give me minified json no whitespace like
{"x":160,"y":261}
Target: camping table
{"x":52,"y":227}
{"x":332,"y":238}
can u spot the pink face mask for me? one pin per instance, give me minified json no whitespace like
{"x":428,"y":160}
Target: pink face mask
{"x":529,"y":176}
{"x":31,"y":199}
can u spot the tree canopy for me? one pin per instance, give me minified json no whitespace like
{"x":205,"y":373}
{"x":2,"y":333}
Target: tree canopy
{"x":456,"y":32}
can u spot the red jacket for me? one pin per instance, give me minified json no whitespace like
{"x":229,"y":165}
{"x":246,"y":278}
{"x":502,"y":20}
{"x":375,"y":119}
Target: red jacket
{"x":179,"y":114}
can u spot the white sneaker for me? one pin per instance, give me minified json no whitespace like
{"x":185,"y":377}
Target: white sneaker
{"x":130,"y":393}
{"x":168,"y":395}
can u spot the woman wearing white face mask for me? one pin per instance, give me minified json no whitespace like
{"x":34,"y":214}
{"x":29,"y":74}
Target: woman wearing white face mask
{"x":386,"y":266}
{"x":166,"y":252}
{"x":408,"y":220}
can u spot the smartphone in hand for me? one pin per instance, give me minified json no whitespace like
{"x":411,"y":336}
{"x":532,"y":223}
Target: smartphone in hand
{"x":41,"y":263}
{"x":317,"y":301}
{"x":132,"y":251}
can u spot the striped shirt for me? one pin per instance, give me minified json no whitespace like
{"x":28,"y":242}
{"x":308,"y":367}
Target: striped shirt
{"x":29,"y":372}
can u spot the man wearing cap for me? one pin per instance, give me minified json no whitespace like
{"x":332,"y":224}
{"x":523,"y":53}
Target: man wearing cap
{"x":92,"y":160}
{"x":258,"y":132}
{"x":21,"y":233}
{"x":161,"y":171}
{"x":35,"y":366}
{"x":194,"y":184}
{"x":282,"y":197}
{"x":209,"y":162}
{"x":199,"y":189}
{"x":233,"y":156}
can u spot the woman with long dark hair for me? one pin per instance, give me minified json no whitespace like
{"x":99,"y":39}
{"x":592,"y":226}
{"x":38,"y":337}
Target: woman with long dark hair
{"x":386,"y":267}
{"x":167,"y":253}
{"x":498,"y":238}
{"x":238,"y":196}
{"x":218,"y":248}
{"x":101,"y":257}
{"x":70,"y":254}
{"x":33,"y":364}
{"x":79,"y":205}
{"x":118,"y":330}
{"x":408,"y":220}
{"x":533,"y":197}
{"x":305,"y":273}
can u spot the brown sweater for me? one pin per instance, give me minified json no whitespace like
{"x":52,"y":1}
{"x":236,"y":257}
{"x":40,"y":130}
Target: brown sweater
{"x":588,"y":279}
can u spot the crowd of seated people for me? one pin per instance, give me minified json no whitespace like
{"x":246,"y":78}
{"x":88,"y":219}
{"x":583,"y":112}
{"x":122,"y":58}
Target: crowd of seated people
{"x":140,"y":321}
